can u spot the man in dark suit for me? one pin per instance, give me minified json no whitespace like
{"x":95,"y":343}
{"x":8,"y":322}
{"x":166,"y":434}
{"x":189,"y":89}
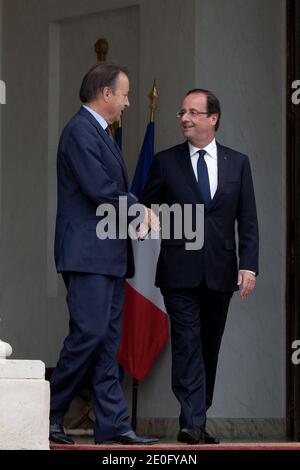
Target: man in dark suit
{"x":91,"y":171}
{"x":197,"y":285}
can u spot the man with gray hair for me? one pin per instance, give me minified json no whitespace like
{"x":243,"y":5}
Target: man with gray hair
{"x":91,"y":171}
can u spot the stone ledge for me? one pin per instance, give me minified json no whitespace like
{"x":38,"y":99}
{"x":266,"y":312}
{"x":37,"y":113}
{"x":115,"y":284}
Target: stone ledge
{"x":24,"y":414}
{"x":21,"y":369}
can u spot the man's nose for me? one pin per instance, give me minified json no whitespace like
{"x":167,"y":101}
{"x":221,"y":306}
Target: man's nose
{"x":185,"y":117}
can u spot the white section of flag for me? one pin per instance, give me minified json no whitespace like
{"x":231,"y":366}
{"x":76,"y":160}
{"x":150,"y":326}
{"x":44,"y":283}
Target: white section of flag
{"x":146,"y":255}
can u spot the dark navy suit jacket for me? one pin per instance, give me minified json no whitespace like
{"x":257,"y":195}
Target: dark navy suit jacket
{"x":172,"y":180}
{"x":90,"y":171}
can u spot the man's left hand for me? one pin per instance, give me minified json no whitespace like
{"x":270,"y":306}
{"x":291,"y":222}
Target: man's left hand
{"x":246,"y":281}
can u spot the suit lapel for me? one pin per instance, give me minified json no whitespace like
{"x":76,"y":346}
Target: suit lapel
{"x":112,"y":146}
{"x":223,"y":162}
{"x":184,"y":160}
{"x":115,"y":150}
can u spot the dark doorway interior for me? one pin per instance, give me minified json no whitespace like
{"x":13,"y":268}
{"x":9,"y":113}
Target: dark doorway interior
{"x":293,"y":219}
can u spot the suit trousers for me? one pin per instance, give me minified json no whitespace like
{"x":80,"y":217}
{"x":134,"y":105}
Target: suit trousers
{"x":198,"y":316}
{"x":89,"y":352}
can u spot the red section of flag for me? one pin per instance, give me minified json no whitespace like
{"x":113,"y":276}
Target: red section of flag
{"x":145,"y":332}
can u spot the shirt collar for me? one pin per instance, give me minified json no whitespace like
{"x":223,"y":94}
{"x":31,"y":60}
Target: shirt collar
{"x":211,"y":149}
{"x":97,"y":116}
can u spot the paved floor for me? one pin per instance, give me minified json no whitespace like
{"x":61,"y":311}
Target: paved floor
{"x":88,"y":441}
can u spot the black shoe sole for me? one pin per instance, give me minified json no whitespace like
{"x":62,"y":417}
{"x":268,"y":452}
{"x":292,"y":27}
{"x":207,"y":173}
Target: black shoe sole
{"x":212,"y":442}
{"x":187,"y":438}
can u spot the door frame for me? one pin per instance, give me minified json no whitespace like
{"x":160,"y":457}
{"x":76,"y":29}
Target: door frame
{"x":292,"y":300}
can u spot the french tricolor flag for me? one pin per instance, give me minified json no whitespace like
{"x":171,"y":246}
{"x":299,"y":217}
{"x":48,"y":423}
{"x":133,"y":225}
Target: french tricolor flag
{"x":145,"y":322}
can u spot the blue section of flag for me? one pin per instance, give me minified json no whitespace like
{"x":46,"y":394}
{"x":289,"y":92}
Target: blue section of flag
{"x":118,"y":136}
{"x":144,"y":162}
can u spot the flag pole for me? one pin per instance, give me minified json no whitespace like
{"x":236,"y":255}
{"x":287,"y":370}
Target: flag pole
{"x":153,"y":97}
{"x":135,"y":384}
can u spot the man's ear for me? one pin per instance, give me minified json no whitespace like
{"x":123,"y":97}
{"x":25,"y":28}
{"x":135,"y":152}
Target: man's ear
{"x":106,"y":92}
{"x":215,"y":118}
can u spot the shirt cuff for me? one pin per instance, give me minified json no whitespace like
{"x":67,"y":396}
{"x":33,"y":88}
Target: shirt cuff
{"x":247,"y":271}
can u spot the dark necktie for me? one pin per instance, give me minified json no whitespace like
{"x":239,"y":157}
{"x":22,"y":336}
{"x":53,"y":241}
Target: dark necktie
{"x":203,"y":180}
{"x":108,"y":132}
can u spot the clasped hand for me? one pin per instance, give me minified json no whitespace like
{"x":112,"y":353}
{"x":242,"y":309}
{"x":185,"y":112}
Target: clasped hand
{"x":151,"y":221}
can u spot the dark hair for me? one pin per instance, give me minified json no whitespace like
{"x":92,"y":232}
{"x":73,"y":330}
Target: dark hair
{"x":98,"y":77}
{"x":213,"y":104}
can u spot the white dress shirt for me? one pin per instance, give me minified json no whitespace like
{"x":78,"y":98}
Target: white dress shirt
{"x":97,"y":116}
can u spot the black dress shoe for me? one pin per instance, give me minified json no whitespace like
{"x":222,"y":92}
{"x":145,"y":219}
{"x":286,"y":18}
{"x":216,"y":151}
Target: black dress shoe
{"x":190,"y":436}
{"x":129,"y":437}
{"x":209,"y":438}
{"x":57,"y":434}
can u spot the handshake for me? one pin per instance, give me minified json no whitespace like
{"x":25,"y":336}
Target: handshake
{"x":151,"y":221}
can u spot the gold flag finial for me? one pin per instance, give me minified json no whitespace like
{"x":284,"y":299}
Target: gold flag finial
{"x":101,"y":49}
{"x":153,"y":97}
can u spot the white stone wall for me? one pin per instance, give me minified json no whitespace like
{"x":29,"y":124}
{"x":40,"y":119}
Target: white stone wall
{"x":240,"y":54}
